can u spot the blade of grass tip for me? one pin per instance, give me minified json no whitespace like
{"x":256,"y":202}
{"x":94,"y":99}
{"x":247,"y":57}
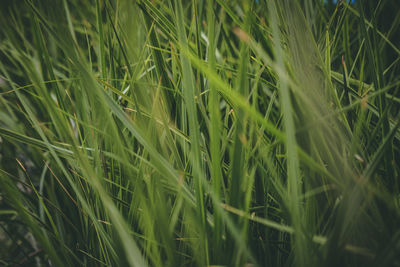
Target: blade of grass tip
{"x":346,"y":42}
{"x":101,"y":40}
{"x":358,"y":127}
{"x":188,"y":87}
{"x":327,"y":52}
{"x":346,"y":91}
{"x":198,"y":12}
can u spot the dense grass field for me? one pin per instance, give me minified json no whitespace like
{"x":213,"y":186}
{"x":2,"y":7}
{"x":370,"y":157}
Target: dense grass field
{"x":199,"y":133}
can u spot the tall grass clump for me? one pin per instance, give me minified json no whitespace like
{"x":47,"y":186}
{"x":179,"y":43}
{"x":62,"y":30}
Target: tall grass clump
{"x":199,"y":133}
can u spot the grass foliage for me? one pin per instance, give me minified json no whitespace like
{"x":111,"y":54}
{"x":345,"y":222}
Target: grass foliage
{"x":199,"y":133}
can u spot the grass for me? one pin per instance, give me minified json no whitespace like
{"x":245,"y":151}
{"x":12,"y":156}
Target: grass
{"x":199,"y":133}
